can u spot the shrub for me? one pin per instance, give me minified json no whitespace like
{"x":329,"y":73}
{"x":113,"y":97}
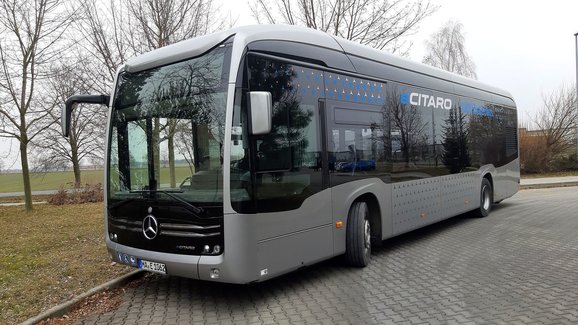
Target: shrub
{"x":534,"y":154}
{"x":60,"y":197}
{"x":567,"y":163}
{"x":86,"y":194}
{"x":91,"y":193}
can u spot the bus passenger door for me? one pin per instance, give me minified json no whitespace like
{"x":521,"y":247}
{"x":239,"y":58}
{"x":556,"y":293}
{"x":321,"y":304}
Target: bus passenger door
{"x":291,"y":199}
{"x":357,"y":145}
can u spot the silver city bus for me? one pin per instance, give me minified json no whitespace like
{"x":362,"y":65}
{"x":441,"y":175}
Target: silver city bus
{"x":248,"y":153}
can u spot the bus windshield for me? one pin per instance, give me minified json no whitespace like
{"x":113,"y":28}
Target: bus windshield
{"x":167,"y":132}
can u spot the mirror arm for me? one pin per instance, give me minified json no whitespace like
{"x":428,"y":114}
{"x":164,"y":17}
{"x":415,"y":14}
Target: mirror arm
{"x":70,"y":104}
{"x":88,"y":99}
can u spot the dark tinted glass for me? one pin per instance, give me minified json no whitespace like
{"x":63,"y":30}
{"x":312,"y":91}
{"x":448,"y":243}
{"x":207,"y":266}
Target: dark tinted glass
{"x":358,"y":141}
{"x":241,"y":180}
{"x":458,"y":154}
{"x":416,"y":148}
{"x":357,"y":151}
{"x":491,"y":133}
{"x":287,"y":166}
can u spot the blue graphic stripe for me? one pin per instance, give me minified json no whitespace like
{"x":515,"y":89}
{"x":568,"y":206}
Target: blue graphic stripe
{"x":473,"y":109}
{"x":335,"y":86}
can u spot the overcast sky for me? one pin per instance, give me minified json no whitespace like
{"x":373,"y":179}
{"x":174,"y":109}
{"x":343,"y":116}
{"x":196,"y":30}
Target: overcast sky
{"x":524,"y":47}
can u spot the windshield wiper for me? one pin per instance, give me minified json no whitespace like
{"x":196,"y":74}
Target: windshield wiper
{"x":154,"y":191}
{"x":197,"y":210}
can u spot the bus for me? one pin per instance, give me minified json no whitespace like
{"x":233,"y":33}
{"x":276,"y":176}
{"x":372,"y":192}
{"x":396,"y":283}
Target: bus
{"x":249,"y":153}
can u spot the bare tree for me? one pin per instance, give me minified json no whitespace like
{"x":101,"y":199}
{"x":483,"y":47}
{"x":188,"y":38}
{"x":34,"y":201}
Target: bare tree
{"x":128,"y":28}
{"x":87,"y":128}
{"x":533,"y":151}
{"x":556,"y":122}
{"x":447,"y":50}
{"x":113,"y":32}
{"x":30,"y":31}
{"x":407,"y":122}
{"x":547,"y":142}
{"x":381,"y":24}
{"x":163,"y":22}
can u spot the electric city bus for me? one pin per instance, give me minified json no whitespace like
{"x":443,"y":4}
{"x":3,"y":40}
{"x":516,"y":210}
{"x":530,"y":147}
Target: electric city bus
{"x":246,"y":154}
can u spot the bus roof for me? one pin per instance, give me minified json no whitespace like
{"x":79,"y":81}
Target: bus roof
{"x":247,"y":34}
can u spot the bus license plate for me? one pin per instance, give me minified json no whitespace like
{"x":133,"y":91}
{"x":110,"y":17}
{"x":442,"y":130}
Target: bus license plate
{"x":153,"y":266}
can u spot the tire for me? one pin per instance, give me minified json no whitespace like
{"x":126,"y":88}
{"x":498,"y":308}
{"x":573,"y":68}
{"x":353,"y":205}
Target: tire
{"x":358,"y":237}
{"x":486,"y":199}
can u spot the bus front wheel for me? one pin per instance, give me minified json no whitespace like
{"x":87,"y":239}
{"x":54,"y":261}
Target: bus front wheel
{"x":486,"y":199}
{"x":358,"y":237}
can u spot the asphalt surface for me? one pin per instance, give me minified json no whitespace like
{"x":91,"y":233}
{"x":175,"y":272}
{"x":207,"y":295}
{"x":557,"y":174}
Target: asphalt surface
{"x":517,"y":266}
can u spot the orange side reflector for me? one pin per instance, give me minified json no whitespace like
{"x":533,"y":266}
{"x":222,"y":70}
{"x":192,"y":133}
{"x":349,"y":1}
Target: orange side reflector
{"x":339,"y":224}
{"x":423,"y":215}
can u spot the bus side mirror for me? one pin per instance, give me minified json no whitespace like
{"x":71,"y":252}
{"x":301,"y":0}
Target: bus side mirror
{"x":260,"y":103}
{"x":70,"y":104}
{"x":65,"y":118}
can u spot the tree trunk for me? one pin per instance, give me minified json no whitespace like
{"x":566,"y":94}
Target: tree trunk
{"x":25,"y":172}
{"x":171,"y":145}
{"x":156,"y":152}
{"x":405,"y":148}
{"x":76,"y":169}
{"x":75,"y":162}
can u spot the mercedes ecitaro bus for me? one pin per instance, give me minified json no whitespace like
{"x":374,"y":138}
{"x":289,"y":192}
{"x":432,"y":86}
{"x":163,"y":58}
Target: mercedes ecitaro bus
{"x":248,"y":153}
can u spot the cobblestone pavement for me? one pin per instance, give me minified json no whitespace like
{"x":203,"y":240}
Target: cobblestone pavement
{"x":517,"y":266}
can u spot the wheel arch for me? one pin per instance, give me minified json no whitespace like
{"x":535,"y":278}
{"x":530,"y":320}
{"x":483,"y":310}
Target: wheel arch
{"x":490,"y":178}
{"x":375,"y":215}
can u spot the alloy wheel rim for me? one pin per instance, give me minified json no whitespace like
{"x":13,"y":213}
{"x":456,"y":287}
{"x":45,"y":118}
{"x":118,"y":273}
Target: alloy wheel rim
{"x":486,"y":197}
{"x":367,"y":235}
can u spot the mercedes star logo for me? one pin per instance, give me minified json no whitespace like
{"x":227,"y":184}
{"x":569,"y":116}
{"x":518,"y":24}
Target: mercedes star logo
{"x":150,"y":227}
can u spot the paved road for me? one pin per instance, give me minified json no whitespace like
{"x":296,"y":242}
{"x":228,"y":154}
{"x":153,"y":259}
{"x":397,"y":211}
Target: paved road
{"x":517,"y":266}
{"x":16,"y":194}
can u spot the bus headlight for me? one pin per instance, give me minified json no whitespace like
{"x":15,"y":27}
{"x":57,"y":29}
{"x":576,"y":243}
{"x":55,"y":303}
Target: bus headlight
{"x":216,"y":249}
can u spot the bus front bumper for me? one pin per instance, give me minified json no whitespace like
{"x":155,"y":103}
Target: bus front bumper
{"x":171,"y":264}
{"x":209,"y":268}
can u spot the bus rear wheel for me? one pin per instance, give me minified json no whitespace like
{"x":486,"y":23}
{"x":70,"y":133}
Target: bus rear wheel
{"x":358,"y":237}
{"x":486,"y":199}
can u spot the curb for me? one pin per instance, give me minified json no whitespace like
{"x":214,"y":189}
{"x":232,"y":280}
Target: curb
{"x":547,"y":185}
{"x":62,"y":309}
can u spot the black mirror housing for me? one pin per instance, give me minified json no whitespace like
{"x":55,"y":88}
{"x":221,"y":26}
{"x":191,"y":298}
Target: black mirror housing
{"x":70,"y":105}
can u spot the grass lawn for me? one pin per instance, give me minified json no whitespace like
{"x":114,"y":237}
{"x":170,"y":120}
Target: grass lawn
{"x":49,"y":255}
{"x":54,"y":180}
{"x":47,"y":181}
{"x":20,"y":199}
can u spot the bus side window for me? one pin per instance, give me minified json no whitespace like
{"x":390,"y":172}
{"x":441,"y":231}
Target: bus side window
{"x":357,"y":143}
